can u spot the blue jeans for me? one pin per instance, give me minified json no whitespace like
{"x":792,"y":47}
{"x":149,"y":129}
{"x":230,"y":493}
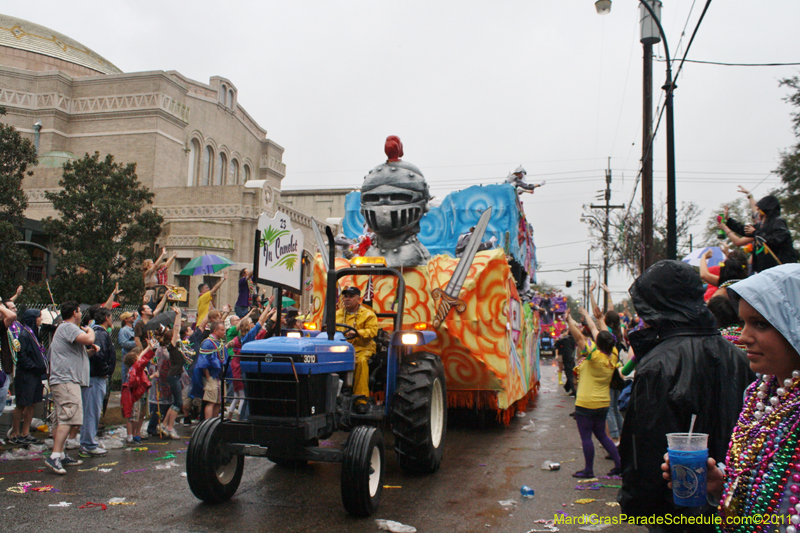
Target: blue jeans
{"x":614,"y":418}
{"x":155,"y":420}
{"x":177,"y":393}
{"x":4,"y":392}
{"x":241,"y":310}
{"x":92,"y":397}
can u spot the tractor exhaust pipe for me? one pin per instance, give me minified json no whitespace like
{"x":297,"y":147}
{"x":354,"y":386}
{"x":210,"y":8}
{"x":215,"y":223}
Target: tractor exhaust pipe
{"x":330,"y":296}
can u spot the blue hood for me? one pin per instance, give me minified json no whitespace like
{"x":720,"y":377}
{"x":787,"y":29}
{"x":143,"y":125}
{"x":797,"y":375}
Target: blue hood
{"x":775,"y":293}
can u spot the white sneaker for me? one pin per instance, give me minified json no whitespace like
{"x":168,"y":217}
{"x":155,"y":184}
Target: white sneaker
{"x":72,"y":444}
{"x":174,"y":434}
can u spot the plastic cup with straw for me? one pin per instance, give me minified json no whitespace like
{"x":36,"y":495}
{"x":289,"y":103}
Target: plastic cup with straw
{"x":688,"y":457}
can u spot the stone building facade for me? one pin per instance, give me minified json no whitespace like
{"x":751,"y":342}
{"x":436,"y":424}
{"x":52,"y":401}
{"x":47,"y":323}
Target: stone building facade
{"x":322,"y":204}
{"x":210,"y":164}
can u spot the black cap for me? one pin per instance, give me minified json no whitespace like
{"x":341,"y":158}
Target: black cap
{"x":352,"y":290}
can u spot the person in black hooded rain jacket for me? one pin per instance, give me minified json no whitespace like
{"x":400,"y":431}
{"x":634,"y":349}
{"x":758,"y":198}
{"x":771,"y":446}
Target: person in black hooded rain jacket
{"x":31,"y":370}
{"x":772,"y":231}
{"x":685,"y":367}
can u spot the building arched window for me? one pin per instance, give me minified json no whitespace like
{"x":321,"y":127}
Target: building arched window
{"x":233,"y":175}
{"x":222,"y":169}
{"x":194,"y":157}
{"x":230,"y":98}
{"x":246,"y":173}
{"x":208,"y":166}
{"x":223,"y":95}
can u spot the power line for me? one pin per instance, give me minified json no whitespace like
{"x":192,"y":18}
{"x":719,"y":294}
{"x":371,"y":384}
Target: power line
{"x":735,"y":64}
{"x":560,"y":244}
{"x":691,"y":40}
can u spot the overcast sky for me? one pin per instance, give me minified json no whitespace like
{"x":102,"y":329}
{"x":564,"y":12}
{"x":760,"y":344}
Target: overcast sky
{"x":475,"y":88}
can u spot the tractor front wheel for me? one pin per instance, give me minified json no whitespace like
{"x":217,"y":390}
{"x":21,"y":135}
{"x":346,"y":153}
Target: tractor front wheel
{"x":362,"y":471}
{"x":213,"y":472}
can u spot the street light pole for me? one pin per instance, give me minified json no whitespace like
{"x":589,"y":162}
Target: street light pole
{"x":603,"y":7}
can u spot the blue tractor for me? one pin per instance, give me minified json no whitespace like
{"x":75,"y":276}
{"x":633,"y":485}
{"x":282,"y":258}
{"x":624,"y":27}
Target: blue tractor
{"x":298,"y":393}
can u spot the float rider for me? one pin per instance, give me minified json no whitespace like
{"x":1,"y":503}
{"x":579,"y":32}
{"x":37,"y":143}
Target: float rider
{"x":363,"y":319}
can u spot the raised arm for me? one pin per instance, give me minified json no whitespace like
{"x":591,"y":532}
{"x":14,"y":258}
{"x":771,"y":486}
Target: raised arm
{"x":705,"y":275}
{"x":589,"y":322}
{"x":160,"y":260}
{"x":9,"y":316}
{"x":111,"y":297}
{"x":16,"y":294}
{"x":161,"y":304}
{"x":176,"y":326}
{"x":170,"y":260}
{"x":219,"y":283}
{"x":750,"y":199}
{"x":626,"y":310}
{"x":734,"y":238}
{"x":608,"y":294}
{"x":575,"y":331}
{"x":598,"y":313}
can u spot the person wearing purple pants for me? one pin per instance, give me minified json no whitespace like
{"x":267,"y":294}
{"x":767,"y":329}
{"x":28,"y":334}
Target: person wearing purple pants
{"x":591,"y":404}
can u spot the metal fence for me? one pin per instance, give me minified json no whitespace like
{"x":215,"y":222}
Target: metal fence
{"x":116,"y":312}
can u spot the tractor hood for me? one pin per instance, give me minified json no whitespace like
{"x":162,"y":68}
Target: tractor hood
{"x":277,"y":355}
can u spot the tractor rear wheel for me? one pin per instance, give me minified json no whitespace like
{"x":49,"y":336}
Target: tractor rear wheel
{"x":419,"y":414}
{"x":362,"y":471}
{"x":213,"y":472}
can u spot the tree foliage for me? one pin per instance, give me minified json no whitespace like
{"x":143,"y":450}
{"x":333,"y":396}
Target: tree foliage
{"x":17,"y":154}
{"x":104,"y":230}
{"x":789,"y":166}
{"x":625,"y":234}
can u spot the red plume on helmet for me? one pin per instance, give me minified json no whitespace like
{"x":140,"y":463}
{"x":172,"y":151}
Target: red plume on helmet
{"x":393,"y":148}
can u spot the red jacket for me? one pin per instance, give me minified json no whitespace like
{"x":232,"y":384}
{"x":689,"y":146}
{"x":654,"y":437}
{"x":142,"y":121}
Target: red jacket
{"x":138,"y":383}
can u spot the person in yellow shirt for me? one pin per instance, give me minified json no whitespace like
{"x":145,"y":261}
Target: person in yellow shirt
{"x":593,"y":400}
{"x":365,"y":322}
{"x":204,"y":301}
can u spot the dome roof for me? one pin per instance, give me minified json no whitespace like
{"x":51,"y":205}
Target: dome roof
{"x":24,"y":35}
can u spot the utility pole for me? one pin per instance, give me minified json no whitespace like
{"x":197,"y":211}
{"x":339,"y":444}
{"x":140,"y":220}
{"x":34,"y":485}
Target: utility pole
{"x":607,"y":208}
{"x":587,"y":278}
{"x":647,"y":151}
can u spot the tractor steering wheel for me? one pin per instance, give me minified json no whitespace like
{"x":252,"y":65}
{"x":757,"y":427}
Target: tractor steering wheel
{"x":348,"y":327}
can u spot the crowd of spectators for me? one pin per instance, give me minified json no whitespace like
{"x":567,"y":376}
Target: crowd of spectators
{"x":171,"y":369}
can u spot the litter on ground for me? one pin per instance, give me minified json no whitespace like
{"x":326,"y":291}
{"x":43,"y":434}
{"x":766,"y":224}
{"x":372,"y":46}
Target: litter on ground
{"x":394,"y":527}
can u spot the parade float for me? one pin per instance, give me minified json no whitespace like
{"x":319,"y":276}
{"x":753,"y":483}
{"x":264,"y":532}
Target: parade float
{"x":487,"y":333}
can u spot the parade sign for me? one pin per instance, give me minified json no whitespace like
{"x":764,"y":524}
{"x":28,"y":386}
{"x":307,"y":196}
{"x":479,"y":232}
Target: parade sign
{"x":279,"y":250}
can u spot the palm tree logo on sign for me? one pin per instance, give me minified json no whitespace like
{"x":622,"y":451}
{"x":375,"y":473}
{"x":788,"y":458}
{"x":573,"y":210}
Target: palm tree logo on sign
{"x":279,"y":250}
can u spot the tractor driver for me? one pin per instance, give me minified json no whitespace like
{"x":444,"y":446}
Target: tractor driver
{"x":363,"y":319}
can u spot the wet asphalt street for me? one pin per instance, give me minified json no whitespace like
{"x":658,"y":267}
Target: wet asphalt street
{"x":483,"y":464}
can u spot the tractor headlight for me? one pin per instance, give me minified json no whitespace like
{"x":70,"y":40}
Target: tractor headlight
{"x":409,"y":339}
{"x":293,"y":335}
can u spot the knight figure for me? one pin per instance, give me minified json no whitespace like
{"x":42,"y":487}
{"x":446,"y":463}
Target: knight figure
{"x":394,"y":197}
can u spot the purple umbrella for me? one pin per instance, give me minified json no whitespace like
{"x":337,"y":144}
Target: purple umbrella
{"x":205,"y":264}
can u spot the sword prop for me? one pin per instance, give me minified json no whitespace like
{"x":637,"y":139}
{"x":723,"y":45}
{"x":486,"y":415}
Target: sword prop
{"x":449,"y":296}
